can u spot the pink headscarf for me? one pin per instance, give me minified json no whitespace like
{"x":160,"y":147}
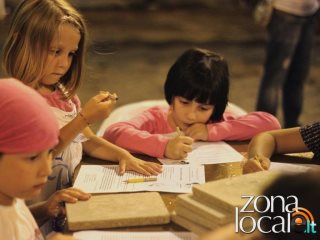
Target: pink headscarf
{"x":26,"y":123}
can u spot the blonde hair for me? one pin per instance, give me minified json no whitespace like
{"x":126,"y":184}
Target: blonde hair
{"x":32,"y":29}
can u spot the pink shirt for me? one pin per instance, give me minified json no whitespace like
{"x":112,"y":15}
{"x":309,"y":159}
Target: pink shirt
{"x":144,"y":133}
{"x":55,"y":99}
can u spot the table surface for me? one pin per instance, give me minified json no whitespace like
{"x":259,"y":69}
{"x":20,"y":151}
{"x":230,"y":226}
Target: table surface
{"x":212,"y":172}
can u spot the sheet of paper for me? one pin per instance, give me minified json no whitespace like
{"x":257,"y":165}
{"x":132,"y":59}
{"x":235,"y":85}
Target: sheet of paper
{"x":292,"y":168}
{"x":108,"y":235}
{"x":208,"y":153}
{"x":104,"y":179}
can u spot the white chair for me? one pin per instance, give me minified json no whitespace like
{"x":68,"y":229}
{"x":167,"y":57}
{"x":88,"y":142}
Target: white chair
{"x":131,"y":110}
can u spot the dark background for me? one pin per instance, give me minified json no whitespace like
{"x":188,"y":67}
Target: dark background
{"x":133,"y":44}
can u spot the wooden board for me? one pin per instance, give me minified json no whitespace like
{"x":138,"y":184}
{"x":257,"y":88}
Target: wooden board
{"x":117,"y":210}
{"x":226,"y":193}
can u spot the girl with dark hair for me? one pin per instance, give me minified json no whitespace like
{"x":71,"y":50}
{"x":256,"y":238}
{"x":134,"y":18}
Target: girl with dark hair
{"x":196,"y":90}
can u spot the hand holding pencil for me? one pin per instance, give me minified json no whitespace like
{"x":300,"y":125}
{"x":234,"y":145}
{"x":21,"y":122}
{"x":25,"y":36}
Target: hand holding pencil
{"x":178,"y":147}
{"x":98,"y":107}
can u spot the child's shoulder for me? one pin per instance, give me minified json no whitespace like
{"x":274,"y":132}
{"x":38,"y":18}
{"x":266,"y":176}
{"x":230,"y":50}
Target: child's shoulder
{"x":57,"y":100}
{"x":157,"y":111}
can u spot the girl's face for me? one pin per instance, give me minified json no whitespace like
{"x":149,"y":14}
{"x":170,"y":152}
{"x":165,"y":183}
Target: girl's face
{"x":185,"y":112}
{"x":23,"y":175}
{"x":62,"y":50}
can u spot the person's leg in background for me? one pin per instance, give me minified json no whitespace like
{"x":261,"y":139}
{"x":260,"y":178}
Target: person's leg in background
{"x":2,"y":9}
{"x":292,"y":102}
{"x":283,"y":38}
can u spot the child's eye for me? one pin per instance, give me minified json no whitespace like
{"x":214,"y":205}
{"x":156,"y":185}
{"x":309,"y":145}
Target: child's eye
{"x":184,"y":101}
{"x":72,"y":54}
{"x":54,"y":52}
{"x":205,"y":108}
{"x":34,"y":157}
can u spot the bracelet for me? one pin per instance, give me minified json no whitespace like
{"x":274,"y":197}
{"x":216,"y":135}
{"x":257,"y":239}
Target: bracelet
{"x":84,"y":118}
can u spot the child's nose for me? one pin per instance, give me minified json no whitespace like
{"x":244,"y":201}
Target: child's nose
{"x":46,"y":165}
{"x":64,"y":61}
{"x":191,"y":115}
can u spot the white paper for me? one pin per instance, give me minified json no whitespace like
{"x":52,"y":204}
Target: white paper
{"x":208,"y":153}
{"x":292,"y":168}
{"x":104,"y":179}
{"x":108,"y":235}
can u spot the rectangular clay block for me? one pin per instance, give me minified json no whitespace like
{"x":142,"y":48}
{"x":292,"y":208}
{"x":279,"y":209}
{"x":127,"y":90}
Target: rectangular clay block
{"x":190,"y":225}
{"x":117,"y":210}
{"x":188,"y":207}
{"x":226,"y":193}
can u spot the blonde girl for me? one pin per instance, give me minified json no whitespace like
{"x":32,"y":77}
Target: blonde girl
{"x":45,"y":49}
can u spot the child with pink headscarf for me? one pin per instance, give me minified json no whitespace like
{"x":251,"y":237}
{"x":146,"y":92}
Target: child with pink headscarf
{"x":28,"y":132}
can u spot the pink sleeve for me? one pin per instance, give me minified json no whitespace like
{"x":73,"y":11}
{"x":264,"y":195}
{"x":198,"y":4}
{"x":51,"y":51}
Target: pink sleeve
{"x":142,"y":134}
{"x":242,"y":128}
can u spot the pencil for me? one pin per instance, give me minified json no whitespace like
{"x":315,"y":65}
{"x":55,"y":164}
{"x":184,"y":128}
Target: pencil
{"x":178,"y":131}
{"x":140,"y":180}
{"x":113,"y":96}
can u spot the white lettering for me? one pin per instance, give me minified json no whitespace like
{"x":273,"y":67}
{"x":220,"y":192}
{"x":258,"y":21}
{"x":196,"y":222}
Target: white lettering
{"x":254,"y":224}
{"x":256,"y":205}
{"x":281,"y":224}
{"x":273,"y":203}
{"x":294,"y":203}
{"x":259,"y":224}
{"x":243,"y":209}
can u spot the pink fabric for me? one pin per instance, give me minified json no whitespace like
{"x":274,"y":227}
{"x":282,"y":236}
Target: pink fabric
{"x":143,"y":134}
{"x":55,"y":99}
{"x":26,"y":124}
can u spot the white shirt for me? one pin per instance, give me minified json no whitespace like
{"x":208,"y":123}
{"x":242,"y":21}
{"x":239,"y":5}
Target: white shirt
{"x":17,"y":223}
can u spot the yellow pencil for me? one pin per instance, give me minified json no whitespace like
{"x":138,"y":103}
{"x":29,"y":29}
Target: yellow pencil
{"x":113,"y":96}
{"x":178,"y":131}
{"x":140,"y":180}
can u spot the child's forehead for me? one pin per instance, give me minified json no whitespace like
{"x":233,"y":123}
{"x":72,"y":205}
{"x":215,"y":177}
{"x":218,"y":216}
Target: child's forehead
{"x":66,"y":34}
{"x":196,"y":100}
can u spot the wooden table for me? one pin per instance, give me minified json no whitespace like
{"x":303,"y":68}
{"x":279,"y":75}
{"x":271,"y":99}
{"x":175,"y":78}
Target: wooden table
{"x":212,"y":172}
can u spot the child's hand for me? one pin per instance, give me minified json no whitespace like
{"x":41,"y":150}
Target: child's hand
{"x":197,"y":131}
{"x":256,"y":164}
{"x":99,"y":107}
{"x":69,"y":195}
{"x":129,"y":162}
{"x":178,"y":147}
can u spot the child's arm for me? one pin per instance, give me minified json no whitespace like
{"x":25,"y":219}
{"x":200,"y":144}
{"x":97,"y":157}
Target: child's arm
{"x":264,"y":145}
{"x":52,"y":207}
{"x":101,"y":148}
{"x":97,"y":108}
{"x":242,"y":128}
{"x":142,"y":134}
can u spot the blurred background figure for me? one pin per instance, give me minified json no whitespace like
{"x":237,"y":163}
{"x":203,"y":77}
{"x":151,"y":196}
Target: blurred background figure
{"x":291,"y":30}
{"x":2,"y":9}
